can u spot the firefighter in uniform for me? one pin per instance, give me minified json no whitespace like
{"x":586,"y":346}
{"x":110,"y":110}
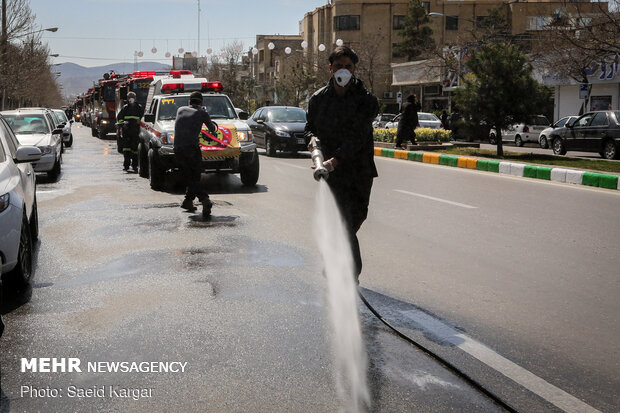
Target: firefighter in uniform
{"x":341,"y":115}
{"x":130,"y":116}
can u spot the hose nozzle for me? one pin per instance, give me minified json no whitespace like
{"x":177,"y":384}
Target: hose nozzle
{"x":317,"y":158}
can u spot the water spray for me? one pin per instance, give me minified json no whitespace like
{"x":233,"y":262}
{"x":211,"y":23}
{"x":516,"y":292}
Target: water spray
{"x":317,"y":159}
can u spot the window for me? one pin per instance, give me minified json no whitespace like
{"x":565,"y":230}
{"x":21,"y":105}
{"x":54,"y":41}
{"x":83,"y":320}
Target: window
{"x":261,"y":55}
{"x":347,"y":22}
{"x":537,"y":22}
{"x":452,"y":22}
{"x":398,"y":22}
{"x":600,"y":119}
{"x":427,"y":6}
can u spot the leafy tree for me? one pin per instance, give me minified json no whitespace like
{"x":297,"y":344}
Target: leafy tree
{"x":500,"y":89}
{"x":416,"y":34}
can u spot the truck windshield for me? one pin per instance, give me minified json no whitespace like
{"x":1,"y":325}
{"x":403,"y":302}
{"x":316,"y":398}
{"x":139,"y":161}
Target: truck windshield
{"x":141,"y":89}
{"x":109,"y":93}
{"x":219,"y":107}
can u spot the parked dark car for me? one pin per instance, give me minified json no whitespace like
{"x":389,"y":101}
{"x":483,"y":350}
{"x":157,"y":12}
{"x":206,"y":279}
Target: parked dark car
{"x":279,"y":128}
{"x":593,"y":132}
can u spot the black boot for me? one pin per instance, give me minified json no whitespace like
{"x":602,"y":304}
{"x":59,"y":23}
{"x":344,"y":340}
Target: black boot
{"x":206,"y":208}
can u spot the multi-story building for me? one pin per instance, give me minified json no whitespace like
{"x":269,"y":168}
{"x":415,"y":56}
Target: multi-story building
{"x":271,"y":58}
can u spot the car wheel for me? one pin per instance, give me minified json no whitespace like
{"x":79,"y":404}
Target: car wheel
{"x":156,"y":172}
{"x":518,"y":140}
{"x":101,"y":133}
{"x":22,"y":273}
{"x":271,"y":150}
{"x":93,"y":132}
{"x":143,"y":161}
{"x":609,"y":150}
{"x":249,"y":168}
{"x":55,"y":172}
{"x":492,"y":139}
{"x":70,"y":141}
{"x":558,"y":147}
{"x":543,"y":142}
{"x":34,"y":221}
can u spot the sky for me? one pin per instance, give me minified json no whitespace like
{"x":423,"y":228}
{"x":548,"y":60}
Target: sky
{"x":99,"y":32}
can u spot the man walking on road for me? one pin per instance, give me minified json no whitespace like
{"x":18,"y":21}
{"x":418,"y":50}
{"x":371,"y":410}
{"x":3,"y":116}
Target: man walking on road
{"x":187,"y":153}
{"x":129,"y":117}
{"x":408,"y":122}
{"x":340,"y":115}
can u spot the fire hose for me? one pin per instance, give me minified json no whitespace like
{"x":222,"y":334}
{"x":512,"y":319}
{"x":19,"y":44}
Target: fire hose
{"x":320,"y":172}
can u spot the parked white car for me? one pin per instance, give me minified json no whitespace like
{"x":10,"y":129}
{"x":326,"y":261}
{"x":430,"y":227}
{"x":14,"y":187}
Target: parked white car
{"x":425,"y":120}
{"x":19,"y":223}
{"x":36,"y":127}
{"x":544,"y":135}
{"x":522,"y":132}
{"x":65,"y":125}
{"x":382,"y":119}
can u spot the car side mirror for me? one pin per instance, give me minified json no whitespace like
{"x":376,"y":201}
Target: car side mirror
{"x":149,"y":117}
{"x":71,"y":121}
{"x":260,"y":121}
{"x":27,"y":154}
{"x":57,"y":131}
{"x":244,"y":115}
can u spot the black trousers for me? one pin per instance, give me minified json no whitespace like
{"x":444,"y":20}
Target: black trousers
{"x":400,"y":139}
{"x":130,"y":150}
{"x":189,"y":160}
{"x":352,"y":195}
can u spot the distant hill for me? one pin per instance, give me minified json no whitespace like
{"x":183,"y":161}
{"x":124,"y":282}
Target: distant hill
{"x":77,"y":79}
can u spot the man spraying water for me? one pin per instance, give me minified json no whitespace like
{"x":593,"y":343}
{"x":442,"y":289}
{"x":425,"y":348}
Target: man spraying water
{"x":340,"y":115}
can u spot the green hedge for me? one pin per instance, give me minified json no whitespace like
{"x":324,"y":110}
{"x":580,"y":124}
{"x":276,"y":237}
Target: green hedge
{"x":422,"y":135}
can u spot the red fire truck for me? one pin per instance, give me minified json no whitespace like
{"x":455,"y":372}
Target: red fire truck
{"x":104,"y":114}
{"x":137,"y":82}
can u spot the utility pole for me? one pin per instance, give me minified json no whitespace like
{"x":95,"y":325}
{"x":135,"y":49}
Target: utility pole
{"x":198,"y":50}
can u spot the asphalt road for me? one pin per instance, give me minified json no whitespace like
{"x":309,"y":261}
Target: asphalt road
{"x":514,"y":281}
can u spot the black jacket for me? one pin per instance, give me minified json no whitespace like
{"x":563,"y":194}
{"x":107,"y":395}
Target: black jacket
{"x":409,"y":118}
{"x":131,"y":114}
{"x":188,"y":125}
{"x":344,"y":126}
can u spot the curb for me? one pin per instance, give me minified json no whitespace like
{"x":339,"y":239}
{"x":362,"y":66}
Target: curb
{"x":571,"y":176}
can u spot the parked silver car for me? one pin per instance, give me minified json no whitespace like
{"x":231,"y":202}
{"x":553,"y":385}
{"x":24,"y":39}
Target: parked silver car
{"x":65,"y":125}
{"x":19,"y":224}
{"x":36,"y":127}
{"x":425,"y":120}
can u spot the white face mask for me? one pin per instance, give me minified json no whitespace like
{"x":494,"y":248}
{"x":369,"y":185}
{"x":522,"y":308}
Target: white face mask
{"x":342,"y":77}
{"x":131,"y":100}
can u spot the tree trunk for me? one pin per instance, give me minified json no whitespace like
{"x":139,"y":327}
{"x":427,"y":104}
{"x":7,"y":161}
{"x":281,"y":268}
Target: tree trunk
{"x":500,"y":145}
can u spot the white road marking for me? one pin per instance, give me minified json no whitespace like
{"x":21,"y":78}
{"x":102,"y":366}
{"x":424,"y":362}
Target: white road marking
{"x":445,"y":201}
{"x":488,"y":356}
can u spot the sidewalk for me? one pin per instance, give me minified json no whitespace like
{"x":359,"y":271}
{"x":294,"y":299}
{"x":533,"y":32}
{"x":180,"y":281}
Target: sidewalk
{"x":571,"y":176}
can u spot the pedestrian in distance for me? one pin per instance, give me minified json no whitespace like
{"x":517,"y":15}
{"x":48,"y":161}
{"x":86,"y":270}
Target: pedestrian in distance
{"x":445,"y":120}
{"x":340,"y":115}
{"x":129,"y":119}
{"x":408,"y":122}
{"x":187,"y":153}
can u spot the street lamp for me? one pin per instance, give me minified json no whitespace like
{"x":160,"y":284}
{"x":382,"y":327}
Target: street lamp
{"x":49,"y":29}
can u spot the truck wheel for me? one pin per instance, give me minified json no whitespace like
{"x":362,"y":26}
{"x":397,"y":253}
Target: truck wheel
{"x":156,"y":172}
{"x":22,"y":273}
{"x":249,"y":168}
{"x":143,"y":161}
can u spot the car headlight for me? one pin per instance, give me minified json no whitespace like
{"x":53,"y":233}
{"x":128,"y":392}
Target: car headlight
{"x":45,"y":149}
{"x":244,"y":135}
{"x":167,"y":138}
{"x":4,"y":202}
{"x":280,"y":132}
{"x":104,"y":122}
